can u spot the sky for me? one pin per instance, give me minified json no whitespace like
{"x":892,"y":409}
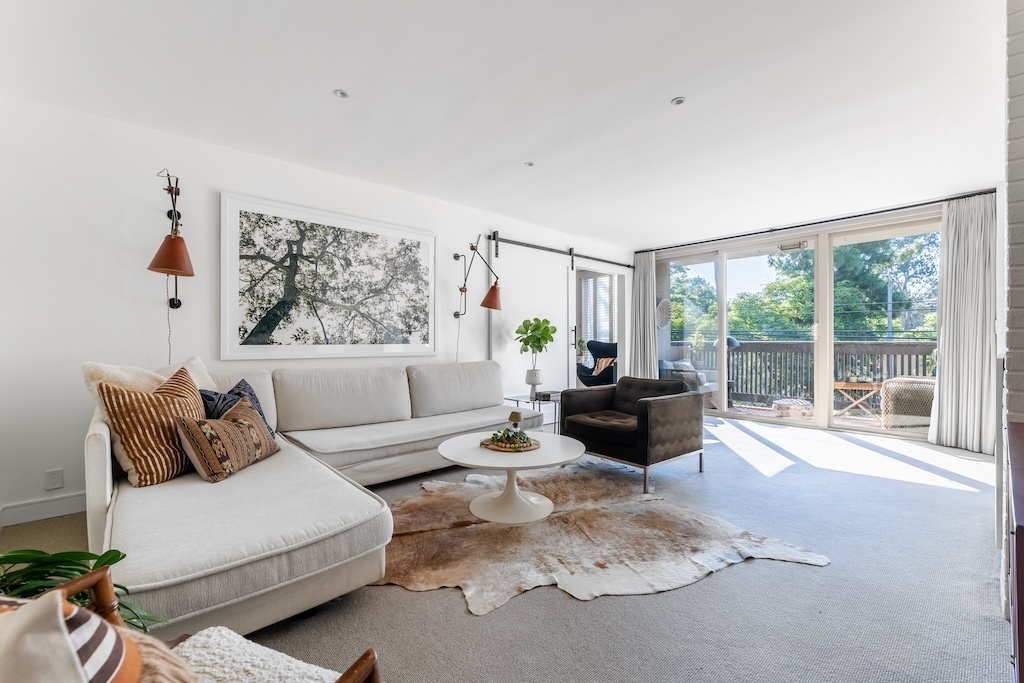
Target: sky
{"x":746,"y":275}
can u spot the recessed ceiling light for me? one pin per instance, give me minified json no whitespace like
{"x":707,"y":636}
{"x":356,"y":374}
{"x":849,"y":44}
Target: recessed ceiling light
{"x":341,"y":93}
{"x":675,"y":100}
{"x":528,"y":163}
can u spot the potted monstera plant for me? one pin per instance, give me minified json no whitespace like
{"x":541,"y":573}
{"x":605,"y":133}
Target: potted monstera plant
{"x":534,"y":336}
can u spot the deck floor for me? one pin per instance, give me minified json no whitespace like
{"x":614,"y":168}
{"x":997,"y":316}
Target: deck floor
{"x":856,"y":419}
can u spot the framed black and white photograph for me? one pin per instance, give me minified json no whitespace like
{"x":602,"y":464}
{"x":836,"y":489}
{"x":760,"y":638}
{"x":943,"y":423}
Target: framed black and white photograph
{"x":302,"y":283}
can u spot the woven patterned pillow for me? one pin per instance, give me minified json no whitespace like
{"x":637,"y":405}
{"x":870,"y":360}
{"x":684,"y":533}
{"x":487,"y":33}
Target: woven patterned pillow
{"x":219,"y":448}
{"x":146,"y":425}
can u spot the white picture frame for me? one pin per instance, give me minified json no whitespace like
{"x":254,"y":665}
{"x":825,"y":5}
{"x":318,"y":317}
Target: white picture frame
{"x":304,"y":283}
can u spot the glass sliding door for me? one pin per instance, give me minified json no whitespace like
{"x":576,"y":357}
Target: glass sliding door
{"x":884,"y":330}
{"x":770,"y":342}
{"x":687,"y":324}
{"x":829,"y":327}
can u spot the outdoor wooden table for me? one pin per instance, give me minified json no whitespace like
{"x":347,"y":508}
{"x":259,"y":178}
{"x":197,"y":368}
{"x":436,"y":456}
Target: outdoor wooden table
{"x":870,"y":389}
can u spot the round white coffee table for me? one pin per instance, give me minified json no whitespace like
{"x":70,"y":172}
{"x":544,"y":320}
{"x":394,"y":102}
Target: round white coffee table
{"x":511,"y":505}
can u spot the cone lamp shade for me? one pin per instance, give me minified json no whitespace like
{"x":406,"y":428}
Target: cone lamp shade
{"x":172,"y":258}
{"x":493,"y":298}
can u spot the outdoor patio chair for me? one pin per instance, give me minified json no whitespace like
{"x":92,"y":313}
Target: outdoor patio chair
{"x":907,"y":402}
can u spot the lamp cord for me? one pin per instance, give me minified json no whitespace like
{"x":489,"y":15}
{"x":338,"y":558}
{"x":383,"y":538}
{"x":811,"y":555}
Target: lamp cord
{"x":458,"y":334}
{"x":167,"y":293}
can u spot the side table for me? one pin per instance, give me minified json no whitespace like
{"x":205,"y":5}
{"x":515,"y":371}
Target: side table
{"x":554,"y":398}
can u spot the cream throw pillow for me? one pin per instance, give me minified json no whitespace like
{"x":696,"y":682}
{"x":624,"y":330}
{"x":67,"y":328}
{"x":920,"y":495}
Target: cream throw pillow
{"x":140,"y":379}
{"x":48,"y":639}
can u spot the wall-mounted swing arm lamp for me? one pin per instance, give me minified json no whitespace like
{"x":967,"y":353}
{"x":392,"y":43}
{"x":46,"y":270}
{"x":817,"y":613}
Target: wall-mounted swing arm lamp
{"x":492,"y":299}
{"x":172,"y":256}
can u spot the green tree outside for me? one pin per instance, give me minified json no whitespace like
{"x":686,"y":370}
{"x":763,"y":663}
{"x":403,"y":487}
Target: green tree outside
{"x":783,"y":309}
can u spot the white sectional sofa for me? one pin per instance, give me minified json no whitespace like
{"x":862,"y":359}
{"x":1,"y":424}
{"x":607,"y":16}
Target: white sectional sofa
{"x":297,"y":529}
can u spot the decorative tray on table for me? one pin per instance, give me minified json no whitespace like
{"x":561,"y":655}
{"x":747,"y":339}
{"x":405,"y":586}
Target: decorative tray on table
{"x":510,"y":441}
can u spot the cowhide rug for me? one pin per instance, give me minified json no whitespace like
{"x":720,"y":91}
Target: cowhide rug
{"x":603,"y":538}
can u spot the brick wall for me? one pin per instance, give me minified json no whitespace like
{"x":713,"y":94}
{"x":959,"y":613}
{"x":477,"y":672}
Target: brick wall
{"x":1015,"y":211}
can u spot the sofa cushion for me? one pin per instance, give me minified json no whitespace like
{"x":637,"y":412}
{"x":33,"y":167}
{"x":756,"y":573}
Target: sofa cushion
{"x":262,"y":385}
{"x":605,"y":425}
{"x":146,"y":425}
{"x":346,"y":446}
{"x":339,"y":397}
{"x":453,"y":387}
{"x":219,"y":448}
{"x":191,"y":548}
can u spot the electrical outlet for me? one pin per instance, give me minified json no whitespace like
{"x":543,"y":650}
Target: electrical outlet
{"x":54,"y":479}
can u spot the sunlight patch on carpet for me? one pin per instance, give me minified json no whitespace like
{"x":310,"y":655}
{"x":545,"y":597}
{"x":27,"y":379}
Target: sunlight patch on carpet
{"x":603,"y":538}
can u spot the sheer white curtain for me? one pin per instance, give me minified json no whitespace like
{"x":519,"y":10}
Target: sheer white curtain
{"x":644,"y":357}
{"x":964,"y":407}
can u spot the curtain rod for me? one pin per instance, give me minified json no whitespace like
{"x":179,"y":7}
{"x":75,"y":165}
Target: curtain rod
{"x":571,"y":253}
{"x":821,"y":222}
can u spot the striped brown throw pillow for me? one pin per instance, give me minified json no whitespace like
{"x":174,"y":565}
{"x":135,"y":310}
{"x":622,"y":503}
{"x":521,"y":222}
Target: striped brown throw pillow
{"x":219,"y":448}
{"x":146,"y":424}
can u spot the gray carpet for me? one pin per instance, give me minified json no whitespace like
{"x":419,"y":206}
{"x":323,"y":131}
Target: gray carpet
{"x":50,"y":535}
{"x":912,"y":593}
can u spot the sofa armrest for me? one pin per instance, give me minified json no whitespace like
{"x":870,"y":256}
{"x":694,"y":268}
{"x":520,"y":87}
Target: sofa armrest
{"x":584,"y":400}
{"x":99,"y":482}
{"x":668,"y":426}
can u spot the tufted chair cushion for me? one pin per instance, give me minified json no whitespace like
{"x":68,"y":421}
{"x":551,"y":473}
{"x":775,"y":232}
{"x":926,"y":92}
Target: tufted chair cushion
{"x":606,"y":425}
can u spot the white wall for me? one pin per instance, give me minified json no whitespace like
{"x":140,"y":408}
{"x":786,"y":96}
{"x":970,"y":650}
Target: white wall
{"x":83,"y":214}
{"x":539,"y":284}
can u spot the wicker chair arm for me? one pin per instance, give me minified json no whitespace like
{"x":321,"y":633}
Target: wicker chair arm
{"x":102,"y":596}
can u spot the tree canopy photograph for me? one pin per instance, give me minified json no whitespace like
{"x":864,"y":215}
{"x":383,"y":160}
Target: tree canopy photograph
{"x":305,"y":283}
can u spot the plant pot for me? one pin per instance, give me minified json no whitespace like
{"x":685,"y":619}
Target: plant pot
{"x":534,"y":378}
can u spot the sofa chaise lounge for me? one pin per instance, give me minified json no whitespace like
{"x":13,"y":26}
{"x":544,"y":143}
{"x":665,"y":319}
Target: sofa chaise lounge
{"x":297,"y":529}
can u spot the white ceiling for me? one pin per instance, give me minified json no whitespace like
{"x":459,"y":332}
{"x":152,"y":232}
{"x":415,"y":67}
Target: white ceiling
{"x":796,"y":109}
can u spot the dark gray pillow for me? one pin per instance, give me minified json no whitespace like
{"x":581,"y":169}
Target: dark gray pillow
{"x":217,"y":404}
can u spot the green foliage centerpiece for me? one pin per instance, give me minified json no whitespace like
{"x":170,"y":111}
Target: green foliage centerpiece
{"x":511,"y":439}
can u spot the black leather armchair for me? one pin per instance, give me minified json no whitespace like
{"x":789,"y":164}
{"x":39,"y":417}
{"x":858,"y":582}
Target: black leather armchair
{"x":640,"y":422}
{"x":598,"y":349}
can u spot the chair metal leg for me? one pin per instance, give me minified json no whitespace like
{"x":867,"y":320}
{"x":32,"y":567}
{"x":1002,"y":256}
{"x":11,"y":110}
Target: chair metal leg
{"x":702,"y":461}
{"x":645,"y":480}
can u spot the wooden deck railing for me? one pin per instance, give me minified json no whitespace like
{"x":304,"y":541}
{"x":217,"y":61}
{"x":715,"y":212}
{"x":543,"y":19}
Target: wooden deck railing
{"x":761,"y":371}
